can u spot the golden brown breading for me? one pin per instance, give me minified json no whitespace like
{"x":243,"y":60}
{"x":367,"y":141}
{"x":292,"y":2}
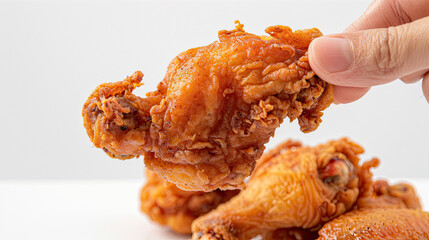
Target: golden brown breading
{"x":378,"y":224}
{"x":278,"y":234}
{"x":382,"y":212}
{"x":299,"y":187}
{"x":217,"y":106}
{"x":382,"y":194}
{"x":168,"y":205}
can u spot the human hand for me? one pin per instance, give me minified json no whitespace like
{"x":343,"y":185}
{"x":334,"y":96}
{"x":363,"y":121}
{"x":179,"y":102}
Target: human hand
{"x":389,"y":41}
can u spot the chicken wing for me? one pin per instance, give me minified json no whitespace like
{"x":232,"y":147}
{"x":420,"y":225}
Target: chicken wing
{"x":298,"y":187}
{"x":401,"y":195}
{"x":207,"y":123}
{"x":382,"y":212}
{"x":378,"y":224}
{"x":168,"y":205}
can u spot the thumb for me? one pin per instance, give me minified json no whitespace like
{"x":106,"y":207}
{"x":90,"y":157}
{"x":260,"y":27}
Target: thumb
{"x":371,"y":57}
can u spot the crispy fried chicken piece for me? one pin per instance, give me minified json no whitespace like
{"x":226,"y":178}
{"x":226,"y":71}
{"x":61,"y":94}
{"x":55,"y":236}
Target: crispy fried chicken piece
{"x":278,"y":234}
{"x":168,"y":205}
{"x":207,"y":123}
{"x":375,"y":195}
{"x":378,"y":223}
{"x":298,"y":187}
{"x":401,"y":195}
{"x":291,"y":234}
{"x":382,"y":212}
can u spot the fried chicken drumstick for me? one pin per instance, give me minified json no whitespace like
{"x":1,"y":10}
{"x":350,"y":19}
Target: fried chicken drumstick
{"x":291,"y":187}
{"x":168,"y":205}
{"x":207,"y":123}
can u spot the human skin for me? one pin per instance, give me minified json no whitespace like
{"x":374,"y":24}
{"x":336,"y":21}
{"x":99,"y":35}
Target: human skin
{"x":389,"y":41}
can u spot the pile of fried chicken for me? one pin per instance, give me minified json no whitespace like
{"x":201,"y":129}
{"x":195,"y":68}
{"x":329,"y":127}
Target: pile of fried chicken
{"x":295,"y":192}
{"x":203,"y":131}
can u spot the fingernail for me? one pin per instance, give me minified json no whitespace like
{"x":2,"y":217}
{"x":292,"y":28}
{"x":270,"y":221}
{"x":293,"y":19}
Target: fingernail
{"x":332,"y":54}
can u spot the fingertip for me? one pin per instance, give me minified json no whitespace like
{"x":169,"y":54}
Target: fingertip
{"x":311,"y":56}
{"x":413,"y":77}
{"x":348,"y":94}
{"x":330,"y":57}
{"x":425,"y":86}
{"x":331,"y":54}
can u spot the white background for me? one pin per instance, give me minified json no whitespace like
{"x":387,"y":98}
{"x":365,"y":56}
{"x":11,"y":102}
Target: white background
{"x":54,"y":53}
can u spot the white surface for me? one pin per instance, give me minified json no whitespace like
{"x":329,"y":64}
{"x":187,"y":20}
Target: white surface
{"x":54,"y":53}
{"x":86,"y":210}
{"x":75,"y":210}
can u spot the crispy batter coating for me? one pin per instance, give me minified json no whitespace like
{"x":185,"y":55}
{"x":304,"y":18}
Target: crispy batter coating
{"x":378,"y":223}
{"x":207,"y":123}
{"x":168,"y":205}
{"x":291,"y":234}
{"x":401,"y":195}
{"x":382,"y":212}
{"x":295,"y":187}
{"x":278,"y":234}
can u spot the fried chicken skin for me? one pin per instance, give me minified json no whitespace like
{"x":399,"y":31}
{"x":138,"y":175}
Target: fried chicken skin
{"x":168,"y":205}
{"x":374,"y":195}
{"x":378,"y":223}
{"x":278,"y":234}
{"x":401,"y":195}
{"x":296,"y":187}
{"x":207,"y":123}
{"x":382,"y":212}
